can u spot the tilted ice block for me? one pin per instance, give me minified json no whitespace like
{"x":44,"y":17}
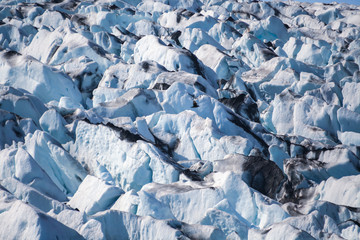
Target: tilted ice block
{"x":194,"y":38}
{"x":270,"y":29}
{"x":109,"y":42}
{"x":166,"y":79}
{"x":348,"y":120}
{"x":307,"y":21}
{"x":349,"y":138}
{"x":154,"y":7}
{"x":51,"y":19}
{"x":340,"y":162}
{"x":280,"y":231}
{"x":268,"y":70}
{"x":319,"y":217}
{"x":311,"y":54}
{"x":307,"y":82}
{"x":222,"y":64}
{"x":105,"y":94}
{"x":16,"y":38}
{"x":179,"y":20}
{"x":228,"y":223}
{"x":10,"y":129}
{"x":173,"y":59}
{"x":115,"y":76}
{"x":19,"y":164}
{"x":33,"y":197}
{"x":292,"y":47}
{"x":130,"y":160}
{"x":85,"y":73}
{"x":259,"y":173}
{"x":131,"y":226}
{"x":53,"y":123}
{"x":58,"y":164}
{"x":328,"y":92}
{"x":44,"y":82}
{"x":20,"y":220}
{"x":309,"y":116}
{"x":189,"y":202}
{"x":143,"y":27}
{"x":127,"y":202}
{"x":63,"y":44}
{"x":172,"y":198}
{"x":343,"y":191}
{"x":280,"y":81}
{"x":329,"y":15}
{"x":127,"y":76}
{"x":254,"y":49}
{"x":134,"y":103}
{"x":351,"y":94}
{"x":94,"y":195}
{"x":336,"y":72}
{"x":143,"y":74}
{"x":179,"y":131}
{"x":224,"y":34}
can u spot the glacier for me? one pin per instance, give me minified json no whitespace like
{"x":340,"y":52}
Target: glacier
{"x":189,"y":119}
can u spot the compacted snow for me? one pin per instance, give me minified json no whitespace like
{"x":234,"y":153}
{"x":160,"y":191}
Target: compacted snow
{"x":166,"y":119}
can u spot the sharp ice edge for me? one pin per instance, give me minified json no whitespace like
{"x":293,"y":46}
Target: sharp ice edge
{"x":164,"y":119}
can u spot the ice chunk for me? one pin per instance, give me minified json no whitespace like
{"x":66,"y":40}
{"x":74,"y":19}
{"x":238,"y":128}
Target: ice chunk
{"x":270,"y":29}
{"x":311,"y":54}
{"x":51,"y":19}
{"x":134,"y":103}
{"x":220,"y":63}
{"x":350,"y":93}
{"x":44,"y":82}
{"x":63,"y":44}
{"x":166,"y":79}
{"x":31,"y":196}
{"x":53,"y":123}
{"x":171,"y":199}
{"x":254,"y":170}
{"x":329,"y":15}
{"x":21,"y":103}
{"x":94,"y":195}
{"x":194,"y":38}
{"x":276,"y":67}
{"x":127,"y":202}
{"x":15,"y":37}
{"x":19,"y":164}
{"x":198,"y":199}
{"x":254,"y":49}
{"x":280,"y":231}
{"x":292,"y":47}
{"x":226,"y":222}
{"x":129,"y":226}
{"x":10,"y":131}
{"x":307,"y":82}
{"x":185,"y":129}
{"x":105,"y":94}
{"x":340,"y":162}
{"x":62,"y":169}
{"x":131,"y":161}
{"x":343,"y":191}
{"x":21,"y":220}
{"x":173,"y":59}
{"x":143,"y":130}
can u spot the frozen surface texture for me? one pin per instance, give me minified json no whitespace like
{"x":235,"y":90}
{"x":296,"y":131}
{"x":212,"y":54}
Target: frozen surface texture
{"x":179,"y":119}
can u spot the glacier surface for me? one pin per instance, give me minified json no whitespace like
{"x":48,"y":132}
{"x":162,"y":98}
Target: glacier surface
{"x":189,"y":119}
